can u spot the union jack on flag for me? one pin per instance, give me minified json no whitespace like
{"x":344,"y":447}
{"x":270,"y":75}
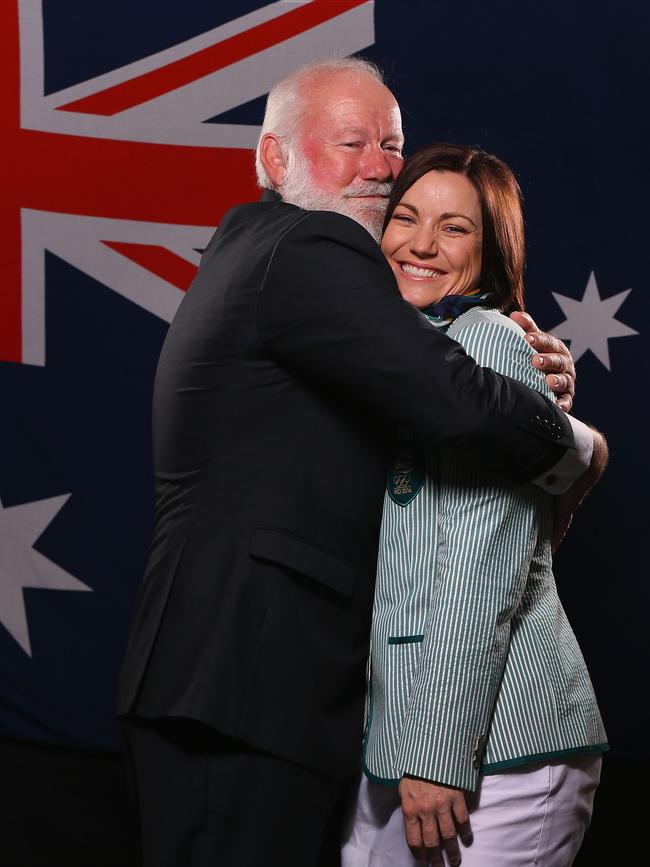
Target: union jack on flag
{"x":113,"y":184}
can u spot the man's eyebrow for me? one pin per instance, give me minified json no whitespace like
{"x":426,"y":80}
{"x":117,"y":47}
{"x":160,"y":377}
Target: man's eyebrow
{"x":350,"y":130}
{"x":357,"y":130}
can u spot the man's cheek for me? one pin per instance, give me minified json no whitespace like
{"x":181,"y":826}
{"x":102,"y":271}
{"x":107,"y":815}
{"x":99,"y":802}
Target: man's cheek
{"x":396,"y":164}
{"x":316,"y":159}
{"x":323,"y":171}
{"x":334,"y":174}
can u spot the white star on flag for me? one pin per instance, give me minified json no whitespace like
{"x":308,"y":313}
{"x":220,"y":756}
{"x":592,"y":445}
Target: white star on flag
{"x":21,"y":566}
{"x":590,"y":323}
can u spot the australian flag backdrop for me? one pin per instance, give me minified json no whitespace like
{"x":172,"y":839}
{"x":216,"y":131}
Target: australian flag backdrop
{"x":127,"y":131}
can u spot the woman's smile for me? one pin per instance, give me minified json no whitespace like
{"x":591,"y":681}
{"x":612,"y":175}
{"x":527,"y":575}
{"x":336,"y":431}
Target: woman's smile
{"x":420,"y":272}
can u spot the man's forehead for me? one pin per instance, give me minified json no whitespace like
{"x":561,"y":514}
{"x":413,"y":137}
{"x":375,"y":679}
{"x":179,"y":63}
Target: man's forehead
{"x":354,"y":111}
{"x":345,"y":85}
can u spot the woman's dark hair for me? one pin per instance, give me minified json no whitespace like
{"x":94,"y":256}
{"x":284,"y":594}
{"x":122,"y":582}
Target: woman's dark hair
{"x":503,"y":253}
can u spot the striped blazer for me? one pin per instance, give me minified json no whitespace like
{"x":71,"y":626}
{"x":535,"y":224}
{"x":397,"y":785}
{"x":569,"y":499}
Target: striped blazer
{"x":474,"y":667}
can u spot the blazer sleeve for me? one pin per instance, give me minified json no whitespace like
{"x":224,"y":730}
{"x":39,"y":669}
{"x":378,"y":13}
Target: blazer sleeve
{"x":329,"y":309}
{"x":487,"y":530}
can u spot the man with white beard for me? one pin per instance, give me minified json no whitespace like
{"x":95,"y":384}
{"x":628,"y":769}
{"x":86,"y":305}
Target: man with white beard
{"x":310,"y":162}
{"x":285,"y":372}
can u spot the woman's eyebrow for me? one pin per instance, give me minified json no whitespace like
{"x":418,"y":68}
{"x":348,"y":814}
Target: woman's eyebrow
{"x":454,"y":216}
{"x":446,"y":216}
{"x":406,"y":205}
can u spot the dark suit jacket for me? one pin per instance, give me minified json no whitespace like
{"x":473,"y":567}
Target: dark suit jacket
{"x":285,"y":371}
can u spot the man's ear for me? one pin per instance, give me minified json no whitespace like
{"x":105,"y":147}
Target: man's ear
{"x":272,"y":158}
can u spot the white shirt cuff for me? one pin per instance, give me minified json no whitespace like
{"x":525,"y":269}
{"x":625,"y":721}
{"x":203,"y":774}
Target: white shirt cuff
{"x":572,"y":464}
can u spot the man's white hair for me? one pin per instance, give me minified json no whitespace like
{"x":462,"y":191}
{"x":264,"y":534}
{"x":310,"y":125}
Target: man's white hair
{"x":287,"y":106}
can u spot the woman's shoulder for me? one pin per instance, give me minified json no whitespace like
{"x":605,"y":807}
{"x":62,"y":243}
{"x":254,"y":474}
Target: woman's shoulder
{"x":496,"y":341}
{"x":484,"y":317}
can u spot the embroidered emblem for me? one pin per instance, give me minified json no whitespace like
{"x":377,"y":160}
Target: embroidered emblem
{"x":406,"y":475}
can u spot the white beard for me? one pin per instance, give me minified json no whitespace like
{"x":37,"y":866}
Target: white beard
{"x":299,"y":188}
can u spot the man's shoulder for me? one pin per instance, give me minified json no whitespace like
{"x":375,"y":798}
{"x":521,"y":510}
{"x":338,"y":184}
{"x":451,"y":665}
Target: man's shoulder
{"x":337,"y":226}
{"x":254,"y":227}
{"x":281,"y":218}
{"x":254,"y":214}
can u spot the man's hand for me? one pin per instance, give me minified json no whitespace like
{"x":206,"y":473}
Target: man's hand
{"x":433,"y":816}
{"x":553,"y":358}
{"x":566,"y":504}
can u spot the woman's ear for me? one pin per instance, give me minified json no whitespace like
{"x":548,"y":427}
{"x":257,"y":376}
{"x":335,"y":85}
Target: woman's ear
{"x":272,"y":158}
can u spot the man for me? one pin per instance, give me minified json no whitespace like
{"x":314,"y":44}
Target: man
{"x":285,"y":371}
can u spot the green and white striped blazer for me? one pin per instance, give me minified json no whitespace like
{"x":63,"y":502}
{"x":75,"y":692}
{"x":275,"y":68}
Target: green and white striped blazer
{"x":474,"y":666}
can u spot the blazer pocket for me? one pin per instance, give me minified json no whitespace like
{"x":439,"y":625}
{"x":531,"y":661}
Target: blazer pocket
{"x":282,"y":547}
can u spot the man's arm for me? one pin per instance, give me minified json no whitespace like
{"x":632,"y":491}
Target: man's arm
{"x":329,"y":309}
{"x":566,"y":504}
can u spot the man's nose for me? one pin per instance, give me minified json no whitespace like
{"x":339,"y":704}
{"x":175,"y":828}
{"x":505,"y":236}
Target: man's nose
{"x":376,"y":165}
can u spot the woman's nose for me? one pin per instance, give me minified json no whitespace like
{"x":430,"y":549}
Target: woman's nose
{"x":424,"y":243}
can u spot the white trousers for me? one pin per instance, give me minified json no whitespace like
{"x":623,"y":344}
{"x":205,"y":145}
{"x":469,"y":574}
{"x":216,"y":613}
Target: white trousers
{"x":533,"y":815}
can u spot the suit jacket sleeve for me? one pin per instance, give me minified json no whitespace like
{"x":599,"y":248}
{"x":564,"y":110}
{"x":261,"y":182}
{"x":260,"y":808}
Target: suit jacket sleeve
{"x":488,"y":531}
{"x":329,"y":309}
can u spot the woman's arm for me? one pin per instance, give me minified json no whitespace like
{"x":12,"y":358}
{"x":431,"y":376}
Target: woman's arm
{"x":488,"y":530}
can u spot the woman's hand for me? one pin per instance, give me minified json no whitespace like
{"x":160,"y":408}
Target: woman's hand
{"x":553,"y":358}
{"x":433,"y":817}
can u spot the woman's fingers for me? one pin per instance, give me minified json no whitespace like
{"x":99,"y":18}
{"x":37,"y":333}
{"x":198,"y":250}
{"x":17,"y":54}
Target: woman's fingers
{"x":431,"y":837}
{"x":434,"y":817}
{"x":461,"y":816}
{"x":449,"y":839}
{"x":413,"y":833}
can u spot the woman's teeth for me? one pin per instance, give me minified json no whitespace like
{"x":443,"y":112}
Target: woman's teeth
{"x":415,"y":271}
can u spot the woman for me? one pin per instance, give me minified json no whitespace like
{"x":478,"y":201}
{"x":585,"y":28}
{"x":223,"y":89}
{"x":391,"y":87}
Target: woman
{"x":477,"y":682}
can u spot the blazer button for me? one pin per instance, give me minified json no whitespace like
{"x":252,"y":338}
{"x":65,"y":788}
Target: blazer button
{"x":479,"y":749}
{"x":550,"y":480}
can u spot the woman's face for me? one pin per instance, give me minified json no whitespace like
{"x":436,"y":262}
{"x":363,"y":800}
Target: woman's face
{"x":434,"y":238}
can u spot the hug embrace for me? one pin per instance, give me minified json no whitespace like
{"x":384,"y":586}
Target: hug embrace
{"x":307,"y":366}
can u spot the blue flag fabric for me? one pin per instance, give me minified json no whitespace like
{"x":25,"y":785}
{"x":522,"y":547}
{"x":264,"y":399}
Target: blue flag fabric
{"x":129,"y":127}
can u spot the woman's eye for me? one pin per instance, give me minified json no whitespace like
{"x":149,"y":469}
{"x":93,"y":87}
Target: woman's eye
{"x":403,"y":218}
{"x":455,"y":230}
